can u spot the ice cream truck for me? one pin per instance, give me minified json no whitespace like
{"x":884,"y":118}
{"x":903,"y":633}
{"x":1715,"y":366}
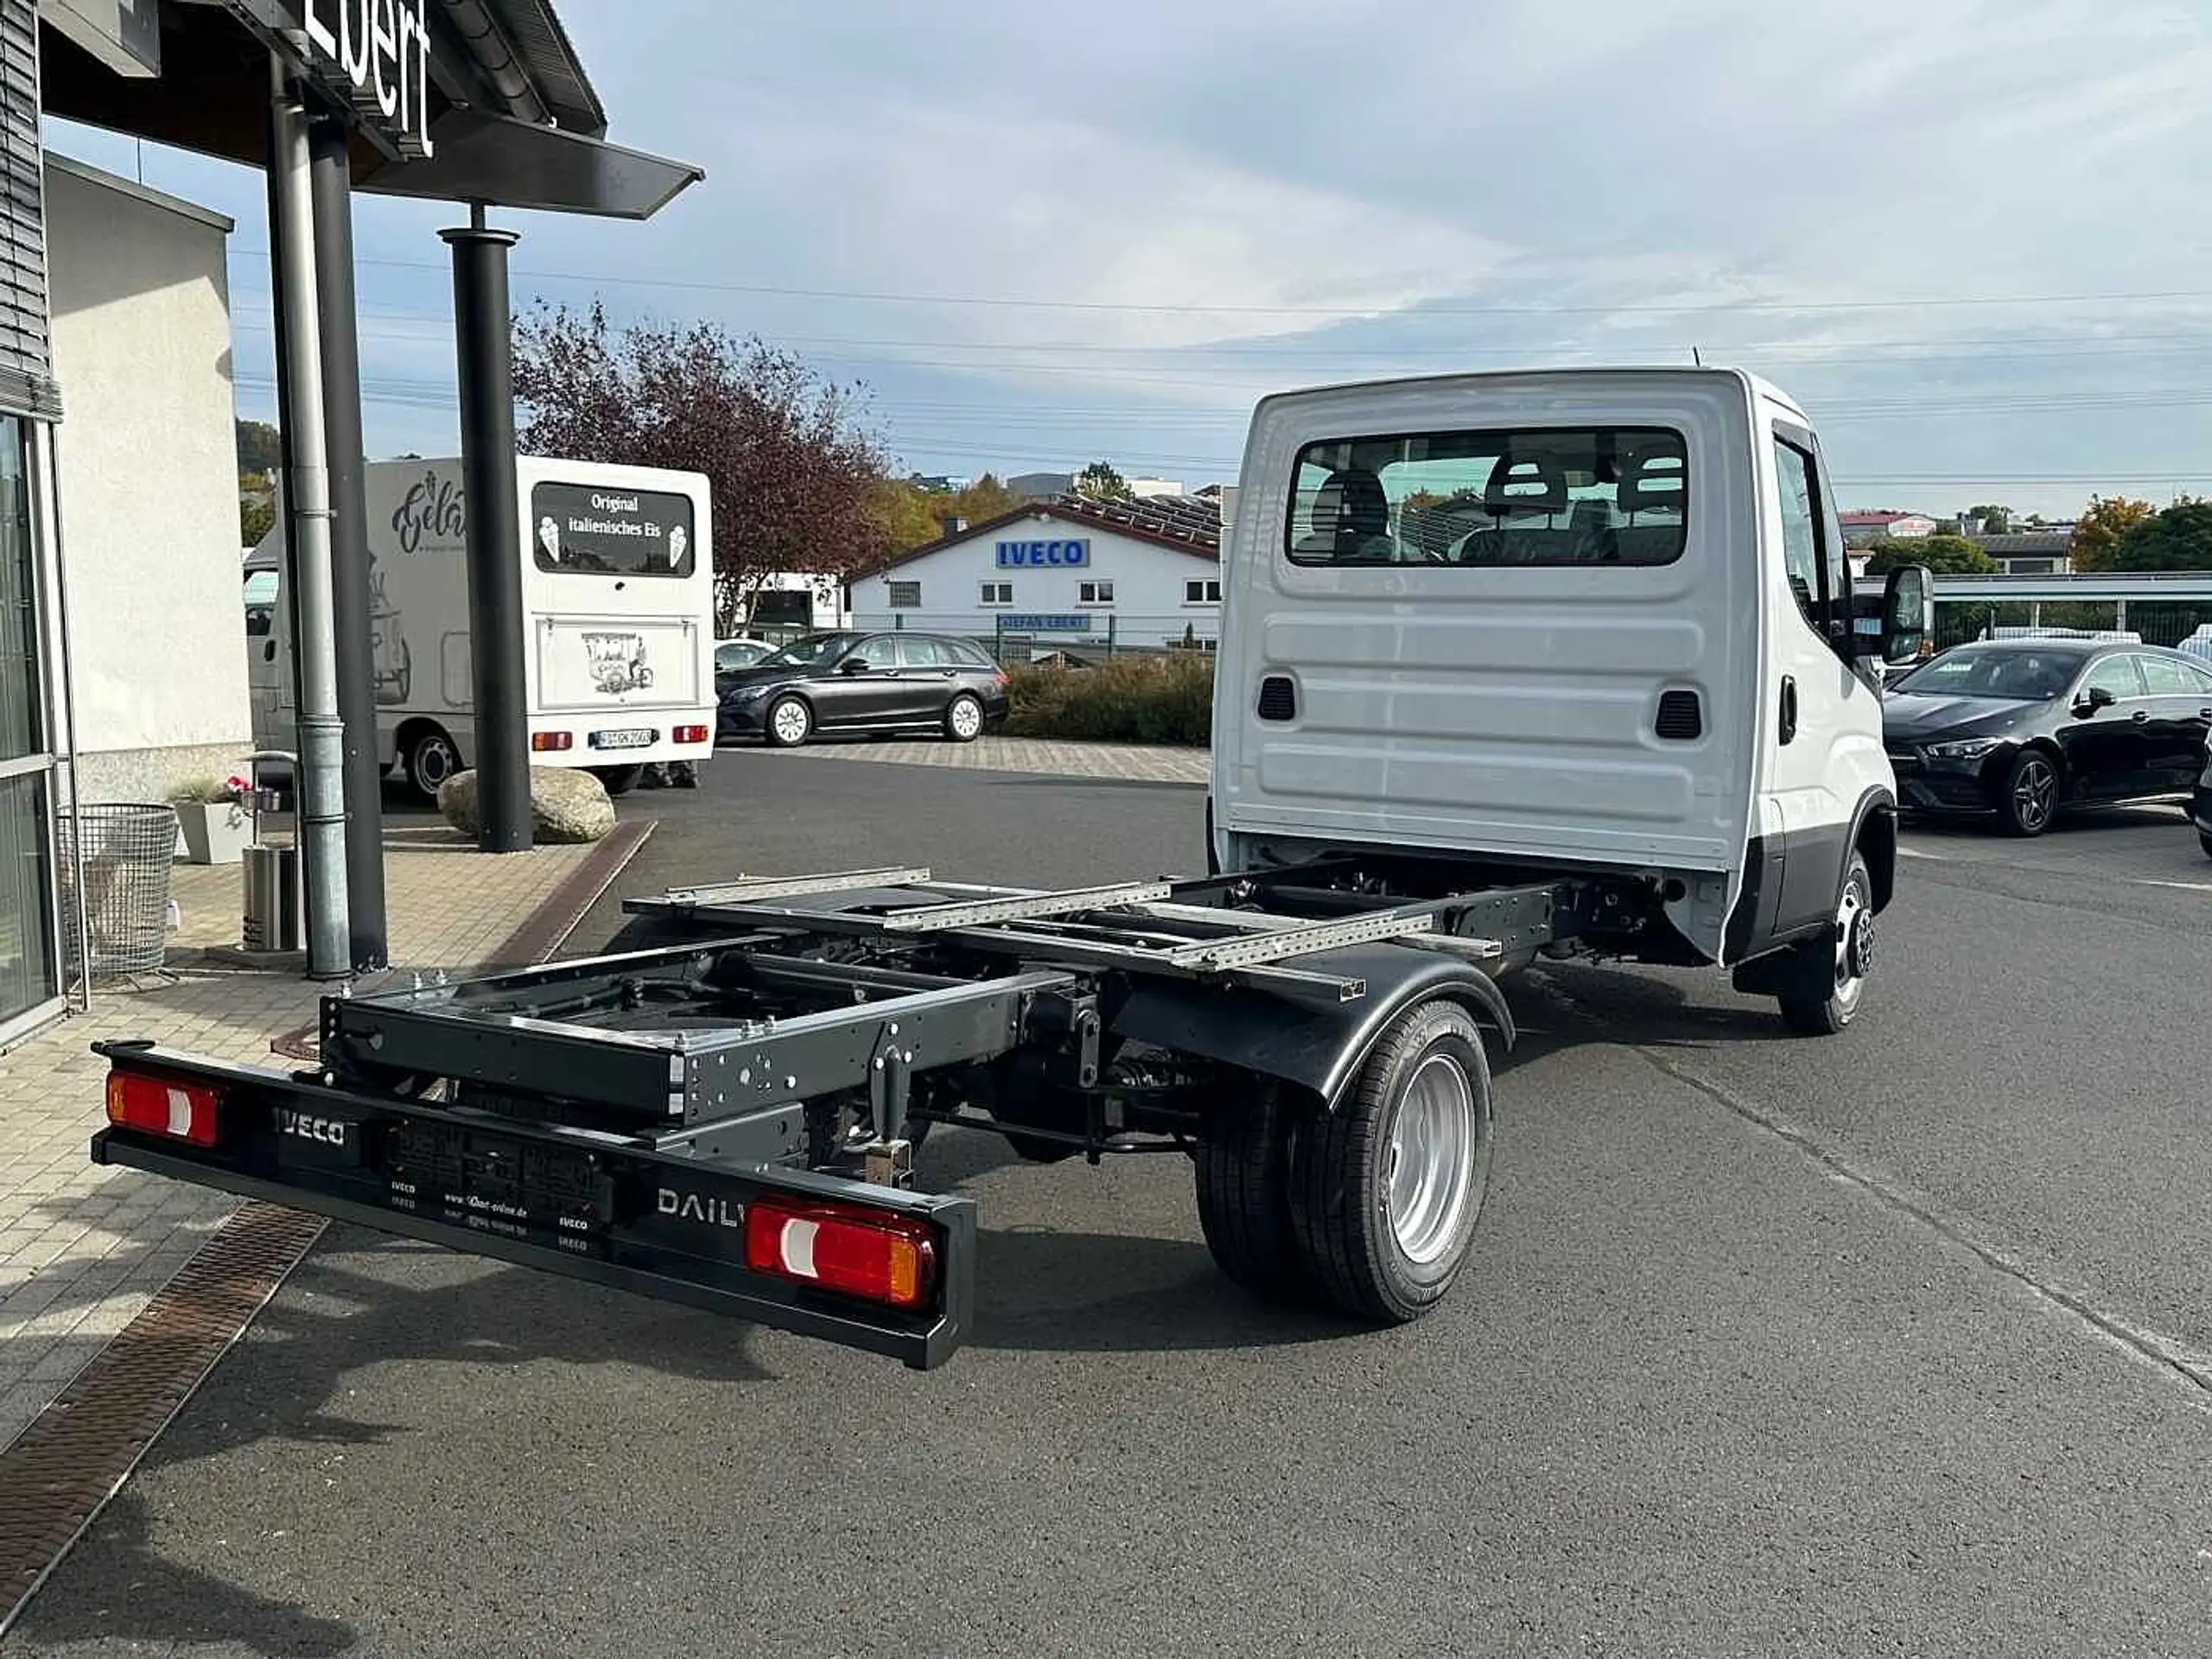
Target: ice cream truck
{"x":618,"y":596}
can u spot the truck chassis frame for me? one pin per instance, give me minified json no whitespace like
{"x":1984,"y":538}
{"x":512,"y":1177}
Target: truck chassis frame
{"x":618,"y":1118}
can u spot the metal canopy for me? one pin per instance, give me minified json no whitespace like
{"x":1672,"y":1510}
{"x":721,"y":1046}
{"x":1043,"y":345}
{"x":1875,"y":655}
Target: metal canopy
{"x":502,"y":74}
{"x":514,"y":164}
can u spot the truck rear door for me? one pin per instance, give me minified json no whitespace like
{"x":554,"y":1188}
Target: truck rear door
{"x":1510,"y":615}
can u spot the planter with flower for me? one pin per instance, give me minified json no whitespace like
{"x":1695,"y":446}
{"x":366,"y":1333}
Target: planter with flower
{"x":214,"y":821}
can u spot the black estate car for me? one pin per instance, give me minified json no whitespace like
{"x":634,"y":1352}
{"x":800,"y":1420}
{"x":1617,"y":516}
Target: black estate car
{"x":854,"y":682}
{"x":2020,"y":729}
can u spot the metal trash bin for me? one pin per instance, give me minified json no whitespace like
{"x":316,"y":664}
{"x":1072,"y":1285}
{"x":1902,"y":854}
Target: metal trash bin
{"x":125,"y":850}
{"x":272,"y":897}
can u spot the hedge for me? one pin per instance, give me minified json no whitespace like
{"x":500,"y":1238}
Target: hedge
{"x":1163,"y":699}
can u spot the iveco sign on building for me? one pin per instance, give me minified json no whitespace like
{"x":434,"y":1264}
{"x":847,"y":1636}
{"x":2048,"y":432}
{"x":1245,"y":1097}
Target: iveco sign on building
{"x":1094,"y":576}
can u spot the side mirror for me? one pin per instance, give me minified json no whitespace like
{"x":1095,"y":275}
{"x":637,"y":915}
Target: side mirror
{"x":2095,"y":698}
{"x":1905,"y":617}
{"x":853,"y":665}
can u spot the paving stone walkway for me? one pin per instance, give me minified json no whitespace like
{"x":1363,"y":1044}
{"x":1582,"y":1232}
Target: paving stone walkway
{"x":82,"y":1249}
{"x":1137,"y":762}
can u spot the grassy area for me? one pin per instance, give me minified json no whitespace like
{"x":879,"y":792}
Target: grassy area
{"x":1164,"y":699}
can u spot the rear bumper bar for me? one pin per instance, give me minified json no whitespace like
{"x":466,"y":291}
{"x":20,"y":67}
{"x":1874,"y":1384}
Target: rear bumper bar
{"x":655,"y":1224}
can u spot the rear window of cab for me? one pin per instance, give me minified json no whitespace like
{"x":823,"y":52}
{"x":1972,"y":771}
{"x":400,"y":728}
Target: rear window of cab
{"x":1527,"y":497}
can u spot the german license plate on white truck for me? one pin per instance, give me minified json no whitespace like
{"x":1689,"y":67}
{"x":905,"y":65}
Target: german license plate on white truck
{"x":637,"y":739}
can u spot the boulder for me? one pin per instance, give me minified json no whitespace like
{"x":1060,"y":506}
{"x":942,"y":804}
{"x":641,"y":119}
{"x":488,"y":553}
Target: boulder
{"x":566,"y":805}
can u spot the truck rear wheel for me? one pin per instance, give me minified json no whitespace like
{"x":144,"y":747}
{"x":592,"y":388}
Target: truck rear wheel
{"x":1243,"y":1189}
{"x":430,"y":759}
{"x":1386,"y":1190}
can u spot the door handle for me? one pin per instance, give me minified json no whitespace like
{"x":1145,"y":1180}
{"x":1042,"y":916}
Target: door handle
{"x":269,"y":651}
{"x":1789,"y":708}
{"x":2141,"y":716}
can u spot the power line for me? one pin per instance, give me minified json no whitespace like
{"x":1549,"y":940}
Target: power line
{"x":1706,"y":308}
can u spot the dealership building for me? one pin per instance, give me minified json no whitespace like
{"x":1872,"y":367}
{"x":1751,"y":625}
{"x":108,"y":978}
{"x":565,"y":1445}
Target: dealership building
{"x":122,"y":636}
{"x":1066,"y":576}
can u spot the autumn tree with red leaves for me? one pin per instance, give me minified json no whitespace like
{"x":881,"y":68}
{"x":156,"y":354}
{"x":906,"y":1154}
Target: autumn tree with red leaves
{"x":793,"y":473}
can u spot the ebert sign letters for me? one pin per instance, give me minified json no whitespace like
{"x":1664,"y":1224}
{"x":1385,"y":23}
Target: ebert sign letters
{"x":376,"y":53}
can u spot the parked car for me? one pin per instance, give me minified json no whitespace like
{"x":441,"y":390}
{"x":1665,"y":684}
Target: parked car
{"x":853,"y":682}
{"x":2020,"y":730}
{"x":2200,"y":806}
{"x":742,"y":652}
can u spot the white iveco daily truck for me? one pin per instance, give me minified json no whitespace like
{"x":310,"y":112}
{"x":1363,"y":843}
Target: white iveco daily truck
{"x":1511,"y":663}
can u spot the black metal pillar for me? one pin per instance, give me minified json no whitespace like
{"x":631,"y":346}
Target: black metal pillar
{"x":486,"y":352}
{"x":333,"y":181}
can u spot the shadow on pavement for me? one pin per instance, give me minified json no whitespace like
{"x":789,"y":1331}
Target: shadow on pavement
{"x":147,"y":1599}
{"x":346,"y":1309}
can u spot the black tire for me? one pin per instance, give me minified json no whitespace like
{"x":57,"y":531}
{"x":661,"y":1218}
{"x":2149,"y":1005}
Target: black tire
{"x":1834,"y":970}
{"x":2031,"y":798}
{"x":2205,"y":842}
{"x":619,"y":780}
{"x":964,"y":718}
{"x":802,"y":725}
{"x":1243,"y":1189}
{"x":431,"y":758}
{"x":1341,"y":1165}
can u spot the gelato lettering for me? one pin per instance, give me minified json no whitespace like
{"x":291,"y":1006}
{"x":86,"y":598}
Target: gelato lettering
{"x":617,"y":662}
{"x":433,"y":508}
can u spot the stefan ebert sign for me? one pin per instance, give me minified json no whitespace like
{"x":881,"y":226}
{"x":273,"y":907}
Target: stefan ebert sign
{"x":1038,"y":556}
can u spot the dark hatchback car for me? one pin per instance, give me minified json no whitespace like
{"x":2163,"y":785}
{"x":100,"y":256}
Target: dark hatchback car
{"x":2022,"y":729}
{"x":864,"y":683}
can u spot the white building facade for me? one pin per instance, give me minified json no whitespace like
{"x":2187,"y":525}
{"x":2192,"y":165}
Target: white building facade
{"x":1082,"y":578}
{"x":139,"y":291}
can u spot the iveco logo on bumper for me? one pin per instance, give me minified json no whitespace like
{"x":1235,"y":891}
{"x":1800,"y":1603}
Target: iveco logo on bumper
{"x":327,"y":1131}
{"x":689,"y":1206}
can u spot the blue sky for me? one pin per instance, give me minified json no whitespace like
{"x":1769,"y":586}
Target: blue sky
{"x":1972,"y":238}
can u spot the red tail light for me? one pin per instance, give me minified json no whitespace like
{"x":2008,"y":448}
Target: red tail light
{"x":866,"y":1253}
{"x":183,"y":1111}
{"x":691,"y":734}
{"x":547,"y":742}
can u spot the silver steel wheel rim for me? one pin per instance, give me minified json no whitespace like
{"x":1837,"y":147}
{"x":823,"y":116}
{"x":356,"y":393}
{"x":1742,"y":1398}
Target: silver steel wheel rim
{"x":432,"y":764}
{"x":1851,"y":915}
{"x":2033,"y":791}
{"x":967,"y":718}
{"x":1431,"y":1159}
{"x":791,"y":722}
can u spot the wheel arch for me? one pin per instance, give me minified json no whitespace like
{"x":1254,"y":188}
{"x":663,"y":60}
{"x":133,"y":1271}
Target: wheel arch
{"x":1315,"y":1045}
{"x":1874,"y":837}
{"x":416,"y":727}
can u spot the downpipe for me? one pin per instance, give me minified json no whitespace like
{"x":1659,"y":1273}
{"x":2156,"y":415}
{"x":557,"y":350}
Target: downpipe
{"x":322,"y":732}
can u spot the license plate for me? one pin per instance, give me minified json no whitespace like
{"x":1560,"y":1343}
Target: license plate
{"x":631,"y":740}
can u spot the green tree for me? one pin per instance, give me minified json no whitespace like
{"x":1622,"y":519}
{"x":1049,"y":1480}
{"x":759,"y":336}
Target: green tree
{"x":1952,"y":555}
{"x":2099,"y":531}
{"x":2178,"y":538}
{"x":1100,"y":482}
{"x":257,"y":517}
{"x":1995,"y":520}
{"x":912,"y":515}
{"x":260,"y":447}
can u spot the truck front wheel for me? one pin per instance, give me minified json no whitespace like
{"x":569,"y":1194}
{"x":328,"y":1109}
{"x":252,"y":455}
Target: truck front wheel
{"x":1834,"y":967}
{"x":1386,"y":1190}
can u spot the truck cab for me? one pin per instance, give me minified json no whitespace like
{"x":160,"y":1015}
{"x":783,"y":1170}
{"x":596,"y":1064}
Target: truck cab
{"x":1585,"y":620}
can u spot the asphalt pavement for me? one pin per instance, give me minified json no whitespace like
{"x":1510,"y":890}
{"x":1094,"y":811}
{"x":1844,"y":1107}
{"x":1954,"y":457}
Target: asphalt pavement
{"x":1890,"y":1344}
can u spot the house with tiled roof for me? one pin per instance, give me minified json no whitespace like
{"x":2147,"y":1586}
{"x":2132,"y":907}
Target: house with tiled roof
{"x":1065,"y":575}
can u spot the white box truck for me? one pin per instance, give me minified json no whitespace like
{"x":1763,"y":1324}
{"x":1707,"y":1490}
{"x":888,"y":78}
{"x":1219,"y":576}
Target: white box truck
{"x":618,"y":597}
